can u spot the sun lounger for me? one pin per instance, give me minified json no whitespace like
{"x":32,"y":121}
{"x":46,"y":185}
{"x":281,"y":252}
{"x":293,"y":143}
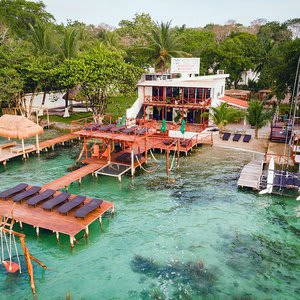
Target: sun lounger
{"x":40,"y":197}
{"x":118,"y":129}
{"x":30,"y":192}
{"x":247,"y":138}
{"x":185,"y":143}
{"x":130,"y":130}
{"x":226,"y":136}
{"x":7,"y":143}
{"x":65,"y":208}
{"x":14,"y":190}
{"x":141,"y":131}
{"x":106,"y":127}
{"x":236,"y":137}
{"x":92,"y":127}
{"x":167,"y":142}
{"x":19,"y":149}
{"x":88,"y":208}
{"x":125,"y":157}
{"x":61,"y":198}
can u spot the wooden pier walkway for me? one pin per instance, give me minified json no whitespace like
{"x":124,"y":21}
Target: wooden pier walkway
{"x":6,"y":154}
{"x":58,"y":140}
{"x":251,"y":174}
{"x":76,"y":175}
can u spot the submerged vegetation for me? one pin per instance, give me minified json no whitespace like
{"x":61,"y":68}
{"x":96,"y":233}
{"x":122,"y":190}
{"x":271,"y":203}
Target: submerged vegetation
{"x":186,"y":276}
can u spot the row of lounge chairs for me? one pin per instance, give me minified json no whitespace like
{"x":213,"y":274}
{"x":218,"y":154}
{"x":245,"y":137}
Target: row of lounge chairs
{"x":33,"y":197}
{"x":236,"y":137}
{"x":286,"y":179}
{"x":116,"y":129}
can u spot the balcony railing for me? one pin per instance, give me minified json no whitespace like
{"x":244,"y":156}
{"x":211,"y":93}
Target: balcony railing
{"x":174,"y":101}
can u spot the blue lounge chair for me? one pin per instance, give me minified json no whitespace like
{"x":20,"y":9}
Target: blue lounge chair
{"x":236,"y":137}
{"x":130,"y":129}
{"x":226,"y":136}
{"x":41,"y":197}
{"x":92,"y":127}
{"x":247,"y":138}
{"x":30,"y":192}
{"x":141,"y":131}
{"x":14,"y":190}
{"x":61,"y":198}
{"x":106,"y":127}
{"x":88,"y":208}
{"x":118,"y":129}
{"x":65,"y":208}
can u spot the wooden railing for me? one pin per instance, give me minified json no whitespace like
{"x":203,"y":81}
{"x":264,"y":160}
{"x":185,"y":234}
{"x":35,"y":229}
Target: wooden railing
{"x":201,"y":102}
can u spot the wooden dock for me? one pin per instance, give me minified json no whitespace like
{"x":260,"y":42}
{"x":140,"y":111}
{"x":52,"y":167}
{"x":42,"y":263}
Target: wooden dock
{"x":251,"y":174}
{"x":52,"y":220}
{"x":6,"y":154}
{"x":77,"y":175}
{"x":58,"y":140}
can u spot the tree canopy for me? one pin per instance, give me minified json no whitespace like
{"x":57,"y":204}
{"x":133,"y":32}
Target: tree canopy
{"x":33,"y":47}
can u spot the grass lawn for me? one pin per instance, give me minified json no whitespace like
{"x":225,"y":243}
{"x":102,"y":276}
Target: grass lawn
{"x":116,"y":107}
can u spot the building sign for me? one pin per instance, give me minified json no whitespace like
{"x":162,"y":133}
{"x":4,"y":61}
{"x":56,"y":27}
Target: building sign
{"x":185,"y":65}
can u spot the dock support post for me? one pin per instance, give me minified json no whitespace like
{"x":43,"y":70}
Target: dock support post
{"x":178,"y":153}
{"x":132,"y":163}
{"x":79,"y":181}
{"x":167,"y":162}
{"x":23,"y":149}
{"x":120,"y":178}
{"x":72,"y":241}
{"x":37,"y":144}
{"x":21,"y":225}
{"x":100,"y":221}
{"x":38,"y":231}
{"x":66,"y":188}
{"x":57,"y":235}
{"x":86,"y":231}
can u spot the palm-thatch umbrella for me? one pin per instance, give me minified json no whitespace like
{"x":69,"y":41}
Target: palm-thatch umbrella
{"x":19,"y":127}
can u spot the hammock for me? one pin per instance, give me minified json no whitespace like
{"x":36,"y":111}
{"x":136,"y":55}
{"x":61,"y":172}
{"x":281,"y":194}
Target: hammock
{"x":148,"y":171}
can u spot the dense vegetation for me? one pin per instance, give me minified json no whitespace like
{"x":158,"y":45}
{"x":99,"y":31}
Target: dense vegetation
{"x":39,"y":55}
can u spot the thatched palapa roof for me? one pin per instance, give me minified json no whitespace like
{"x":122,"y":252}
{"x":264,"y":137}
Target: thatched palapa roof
{"x":20,"y":127}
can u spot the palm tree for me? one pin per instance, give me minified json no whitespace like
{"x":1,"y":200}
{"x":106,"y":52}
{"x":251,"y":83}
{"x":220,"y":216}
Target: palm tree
{"x":110,"y":39}
{"x":163,"y":43}
{"x":223,"y":114}
{"x":40,"y":37}
{"x":257,"y":116}
{"x":70,"y":43}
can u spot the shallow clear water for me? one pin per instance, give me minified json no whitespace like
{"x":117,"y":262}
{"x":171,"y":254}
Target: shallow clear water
{"x":197,"y":238}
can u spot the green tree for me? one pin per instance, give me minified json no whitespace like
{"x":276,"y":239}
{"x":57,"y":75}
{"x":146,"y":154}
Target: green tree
{"x":100,"y":74}
{"x":133,"y":32}
{"x":224,"y":114}
{"x":238,"y":53}
{"x":18,"y":14}
{"x":163,"y":43}
{"x":257,"y":116}
{"x":201,"y":44}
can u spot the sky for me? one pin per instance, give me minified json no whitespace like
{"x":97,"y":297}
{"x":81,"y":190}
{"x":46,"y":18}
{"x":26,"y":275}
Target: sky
{"x":193,"y":13}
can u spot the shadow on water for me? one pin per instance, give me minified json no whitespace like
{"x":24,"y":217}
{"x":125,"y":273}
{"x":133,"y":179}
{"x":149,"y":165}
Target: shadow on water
{"x":188,"y":277}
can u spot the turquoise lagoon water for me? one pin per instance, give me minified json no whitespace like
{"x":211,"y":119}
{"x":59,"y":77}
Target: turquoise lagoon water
{"x":196,"y":238}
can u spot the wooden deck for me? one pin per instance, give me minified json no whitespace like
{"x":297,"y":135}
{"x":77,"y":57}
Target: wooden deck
{"x":78,"y":174}
{"x":58,"y":140}
{"x":6,"y":154}
{"x":251,"y":175}
{"x":52,"y":220}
